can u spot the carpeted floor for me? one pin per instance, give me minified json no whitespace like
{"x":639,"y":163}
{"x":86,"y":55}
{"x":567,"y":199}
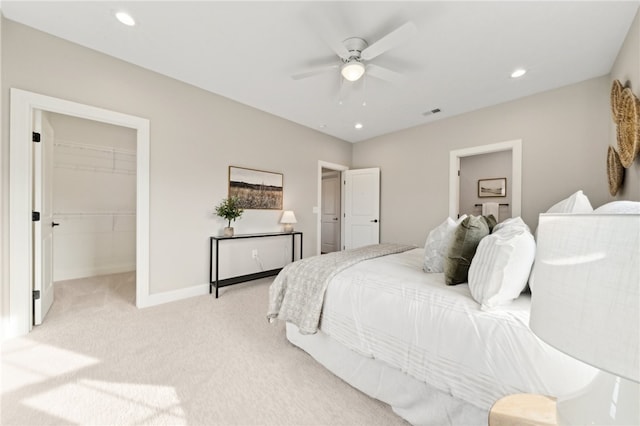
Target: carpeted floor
{"x":99,"y":360}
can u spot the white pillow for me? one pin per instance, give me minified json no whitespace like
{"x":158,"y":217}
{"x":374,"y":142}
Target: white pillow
{"x":576,"y":203}
{"x":619,"y":207}
{"x":512,"y":221}
{"x":435,"y":248}
{"x":500,"y":268}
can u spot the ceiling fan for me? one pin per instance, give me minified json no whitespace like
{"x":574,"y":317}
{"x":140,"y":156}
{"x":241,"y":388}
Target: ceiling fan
{"x":355,"y":53}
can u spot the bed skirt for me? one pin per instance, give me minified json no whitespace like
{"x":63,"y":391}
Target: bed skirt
{"x":413,"y":400}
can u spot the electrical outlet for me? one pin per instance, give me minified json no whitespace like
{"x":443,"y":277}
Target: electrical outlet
{"x":254,"y":253}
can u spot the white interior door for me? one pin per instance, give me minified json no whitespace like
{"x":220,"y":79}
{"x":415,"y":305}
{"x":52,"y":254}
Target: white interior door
{"x":42,"y":229}
{"x":361,"y":207}
{"x":330,"y":232}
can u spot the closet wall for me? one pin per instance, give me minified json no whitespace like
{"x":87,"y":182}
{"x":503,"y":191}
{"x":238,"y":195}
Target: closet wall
{"x":94,"y":198}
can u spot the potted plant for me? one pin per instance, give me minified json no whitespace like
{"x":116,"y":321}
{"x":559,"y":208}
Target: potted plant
{"x":229,"y":209}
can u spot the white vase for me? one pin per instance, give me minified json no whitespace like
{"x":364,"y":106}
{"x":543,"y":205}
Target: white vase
{"x":228,"y":231}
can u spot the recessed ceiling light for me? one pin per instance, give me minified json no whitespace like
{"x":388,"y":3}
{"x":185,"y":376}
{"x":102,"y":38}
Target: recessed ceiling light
{"x":125,"y":18}
{"x":358,"y":126}
{"x":518,"y":73}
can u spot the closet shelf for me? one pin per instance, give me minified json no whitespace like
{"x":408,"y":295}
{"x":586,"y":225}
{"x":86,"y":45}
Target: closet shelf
{"x":107,"y":149}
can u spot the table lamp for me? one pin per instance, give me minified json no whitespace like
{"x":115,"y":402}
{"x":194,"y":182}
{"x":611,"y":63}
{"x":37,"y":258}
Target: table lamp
{"x":585,"y":302}
{"x":288,"y":218}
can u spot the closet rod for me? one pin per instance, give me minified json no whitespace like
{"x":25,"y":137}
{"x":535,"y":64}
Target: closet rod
{"x":501,"y":204}
{"x":95,"y":214}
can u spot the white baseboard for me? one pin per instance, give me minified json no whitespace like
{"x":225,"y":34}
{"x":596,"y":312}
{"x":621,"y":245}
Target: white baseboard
{"x":72,"y":274}
{"x":172,"y":296}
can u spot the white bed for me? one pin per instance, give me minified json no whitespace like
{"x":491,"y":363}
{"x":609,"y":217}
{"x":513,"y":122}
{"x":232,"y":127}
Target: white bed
{"x":402,"y":336}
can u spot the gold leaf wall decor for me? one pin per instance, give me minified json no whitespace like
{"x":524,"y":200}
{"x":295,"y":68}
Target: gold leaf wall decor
{"x":628,"y":127}
{"x":615,"y":171}
{"x":616,"y":98}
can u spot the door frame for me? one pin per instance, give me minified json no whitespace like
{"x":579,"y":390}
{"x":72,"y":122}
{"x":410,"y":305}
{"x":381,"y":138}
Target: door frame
{"x":23,"y":104}
{"x":515,"y":146}
{"x":339,"y":168}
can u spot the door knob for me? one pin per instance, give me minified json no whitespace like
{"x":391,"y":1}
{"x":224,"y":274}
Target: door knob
{"x":53,"y":224}
{"x":375,"y":221}
{"x":335,"y":218}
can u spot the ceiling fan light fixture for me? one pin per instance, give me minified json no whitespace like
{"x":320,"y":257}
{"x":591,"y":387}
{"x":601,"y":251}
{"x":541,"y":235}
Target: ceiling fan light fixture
{"x":352,"y":70}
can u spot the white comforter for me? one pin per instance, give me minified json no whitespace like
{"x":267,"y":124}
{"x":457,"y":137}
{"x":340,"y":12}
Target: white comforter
{"x":389,"y":309}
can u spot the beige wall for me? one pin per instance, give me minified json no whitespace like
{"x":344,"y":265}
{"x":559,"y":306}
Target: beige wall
{"x":627,"y":69}
{"x":195,"y":136}
{"x":561,"y":130}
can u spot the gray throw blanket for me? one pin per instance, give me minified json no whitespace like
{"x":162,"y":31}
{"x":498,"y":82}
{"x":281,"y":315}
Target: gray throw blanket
{"x":297,"y":293}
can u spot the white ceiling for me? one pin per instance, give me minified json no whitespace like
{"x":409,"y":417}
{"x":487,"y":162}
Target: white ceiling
{"x":459,"y":60}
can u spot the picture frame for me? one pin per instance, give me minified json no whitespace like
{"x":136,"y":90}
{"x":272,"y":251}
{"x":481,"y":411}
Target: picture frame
{"x":493,"y":187}
{"x":256,"y":189}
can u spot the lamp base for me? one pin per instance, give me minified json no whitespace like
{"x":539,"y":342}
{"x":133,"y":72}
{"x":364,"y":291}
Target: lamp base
{"x":607,"y":400}
{"x":288,"y":227}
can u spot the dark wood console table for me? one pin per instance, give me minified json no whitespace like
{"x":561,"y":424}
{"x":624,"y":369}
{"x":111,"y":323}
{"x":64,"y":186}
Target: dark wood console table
{"x":216,"y":282}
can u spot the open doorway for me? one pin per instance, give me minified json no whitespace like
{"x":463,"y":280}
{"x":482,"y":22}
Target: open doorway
{"x":479,"y":170}
{"x":359,"y":207}
{"x":93,"y":200}
{"x":330,"y":213}
{"x":21,"y":173}
{"x":329,"y":174}
{"x":514,"y":147}
{"x":94,"y":197}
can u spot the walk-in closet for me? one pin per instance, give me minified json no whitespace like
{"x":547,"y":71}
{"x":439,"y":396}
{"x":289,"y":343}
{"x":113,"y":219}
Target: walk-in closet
{"x":94,"y":198}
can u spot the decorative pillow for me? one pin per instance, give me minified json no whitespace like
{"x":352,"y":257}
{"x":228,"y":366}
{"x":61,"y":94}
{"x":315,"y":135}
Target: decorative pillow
{"x":502,"y":263}
{"x":619,"y":207}
{"x":462,"y":247}
{"x":491,"y":222}
{"x":576,"y":203}
{"x":435,"y":248}
{"x":511,"y":222}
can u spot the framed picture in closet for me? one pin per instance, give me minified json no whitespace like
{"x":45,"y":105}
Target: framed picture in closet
{"x":256,"y":189}
{"x":494,"y":187}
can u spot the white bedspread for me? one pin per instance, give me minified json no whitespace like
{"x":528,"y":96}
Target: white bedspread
{"x":389,"y":309}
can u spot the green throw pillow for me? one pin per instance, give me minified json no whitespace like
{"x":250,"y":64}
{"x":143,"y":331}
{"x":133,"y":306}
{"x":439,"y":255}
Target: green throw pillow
{"x":491,"y":222}
{"x":463,"y":247}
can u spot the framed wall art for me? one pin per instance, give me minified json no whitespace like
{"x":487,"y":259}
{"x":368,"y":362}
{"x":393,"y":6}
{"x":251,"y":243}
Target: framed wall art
{"x":256,"y":189}
{"x":495,"y":187}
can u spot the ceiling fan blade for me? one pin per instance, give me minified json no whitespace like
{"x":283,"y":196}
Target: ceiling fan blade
{"x":314,"y":72}
{"x":391,"y":40}
{"x":384,"y":74}
{"x":337,"y":46}
{"x":326,"y":27}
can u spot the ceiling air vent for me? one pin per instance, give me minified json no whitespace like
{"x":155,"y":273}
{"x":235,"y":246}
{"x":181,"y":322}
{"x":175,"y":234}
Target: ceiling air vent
{"x":433,"y":111}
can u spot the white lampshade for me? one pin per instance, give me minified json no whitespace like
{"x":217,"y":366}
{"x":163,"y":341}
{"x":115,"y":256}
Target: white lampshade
{"x":585,"y":301}
{"x":352,"y":70}
{"x":288,"y":218}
